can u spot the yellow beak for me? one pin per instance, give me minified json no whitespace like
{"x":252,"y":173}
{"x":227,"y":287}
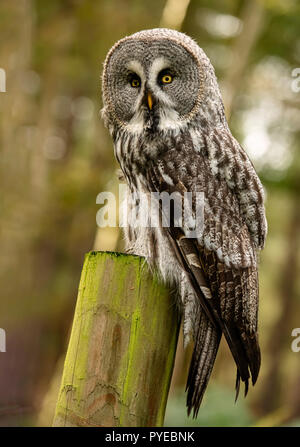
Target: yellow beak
{"x":150,"y":101}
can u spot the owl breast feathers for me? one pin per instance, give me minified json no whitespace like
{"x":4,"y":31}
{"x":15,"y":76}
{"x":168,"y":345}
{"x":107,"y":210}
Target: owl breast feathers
{"x":164,"y":110}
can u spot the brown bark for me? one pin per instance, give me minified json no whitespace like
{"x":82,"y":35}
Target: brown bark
{"x":122,"y":347}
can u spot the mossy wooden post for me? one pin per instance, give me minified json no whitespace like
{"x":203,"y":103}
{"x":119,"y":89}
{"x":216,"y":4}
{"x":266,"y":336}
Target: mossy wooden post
{"x":122,"y":347}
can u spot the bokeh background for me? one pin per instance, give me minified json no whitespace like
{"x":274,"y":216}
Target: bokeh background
{"x":55,"y":157}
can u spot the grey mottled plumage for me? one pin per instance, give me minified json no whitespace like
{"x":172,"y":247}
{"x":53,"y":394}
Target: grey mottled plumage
{"x":177,"y":141}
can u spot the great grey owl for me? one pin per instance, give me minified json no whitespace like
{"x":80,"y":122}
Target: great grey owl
{"x":163,"y":108}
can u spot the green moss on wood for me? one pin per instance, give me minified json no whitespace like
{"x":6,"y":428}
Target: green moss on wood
{"x":122,"y":346}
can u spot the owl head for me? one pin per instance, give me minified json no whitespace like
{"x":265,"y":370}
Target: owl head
{"x":159,"y":79}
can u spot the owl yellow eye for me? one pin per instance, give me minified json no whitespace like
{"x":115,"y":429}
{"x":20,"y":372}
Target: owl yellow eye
{"x":135,"y":82}
{"x":167,"y":79}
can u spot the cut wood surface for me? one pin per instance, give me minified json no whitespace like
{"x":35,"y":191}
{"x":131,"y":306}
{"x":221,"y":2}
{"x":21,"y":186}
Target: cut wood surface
{"x":122,"y":347}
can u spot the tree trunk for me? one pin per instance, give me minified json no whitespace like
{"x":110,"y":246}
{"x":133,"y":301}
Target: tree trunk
{"x":121,"y":352}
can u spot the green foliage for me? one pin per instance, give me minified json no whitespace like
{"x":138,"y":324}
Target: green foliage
{"x":217,"y":410}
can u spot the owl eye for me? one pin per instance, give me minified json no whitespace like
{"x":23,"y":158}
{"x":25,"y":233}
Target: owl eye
{"x":135,"y":82}
{"x":165,"y":78}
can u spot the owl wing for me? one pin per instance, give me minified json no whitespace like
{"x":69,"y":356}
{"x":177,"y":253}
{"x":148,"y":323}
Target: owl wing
{"x":231,"y":167}
{"x":225,"y":283}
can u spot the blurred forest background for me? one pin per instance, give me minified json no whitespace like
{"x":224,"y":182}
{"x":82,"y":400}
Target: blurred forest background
{"x":55,"y":157}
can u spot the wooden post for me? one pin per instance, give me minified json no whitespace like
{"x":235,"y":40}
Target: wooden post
{"x":122,"y":347}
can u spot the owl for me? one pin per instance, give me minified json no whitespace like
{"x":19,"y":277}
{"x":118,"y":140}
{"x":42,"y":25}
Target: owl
{"x":164,"y":111}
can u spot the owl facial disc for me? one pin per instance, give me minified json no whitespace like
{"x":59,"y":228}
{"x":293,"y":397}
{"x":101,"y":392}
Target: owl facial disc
{"x":151,"y":84}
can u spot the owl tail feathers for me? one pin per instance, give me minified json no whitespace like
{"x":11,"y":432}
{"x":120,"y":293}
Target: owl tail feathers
{"x":247,"y":357}
{"x":206,"y":347}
